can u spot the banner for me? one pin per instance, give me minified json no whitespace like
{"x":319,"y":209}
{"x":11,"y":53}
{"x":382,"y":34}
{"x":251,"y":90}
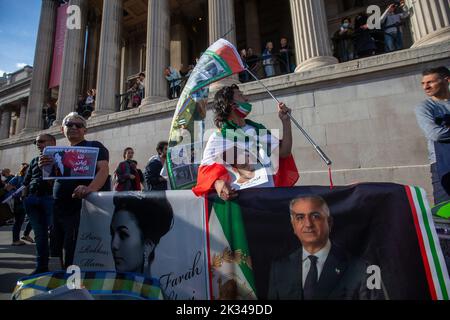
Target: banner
{"x":58,"y":46}
{"x":381,"y":243}
{"x":161,"y":236}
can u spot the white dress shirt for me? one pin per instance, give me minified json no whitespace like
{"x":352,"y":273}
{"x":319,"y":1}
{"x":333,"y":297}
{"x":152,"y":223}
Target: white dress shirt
{"x":321,"y":255}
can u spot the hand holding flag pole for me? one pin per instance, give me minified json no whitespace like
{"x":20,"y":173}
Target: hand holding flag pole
{"x":310,"y":140}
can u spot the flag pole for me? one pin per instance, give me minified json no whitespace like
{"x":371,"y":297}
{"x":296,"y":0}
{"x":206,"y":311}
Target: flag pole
{"x":310,"y":140}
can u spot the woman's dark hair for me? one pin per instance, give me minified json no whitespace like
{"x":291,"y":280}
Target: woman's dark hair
{"x":153,"y":213}
{"x":125,"y":151}
{"x":222,"y":104}
{"x":346,"y":18}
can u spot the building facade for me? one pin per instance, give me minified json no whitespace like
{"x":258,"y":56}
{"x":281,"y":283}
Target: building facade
{"x":360,"y":112}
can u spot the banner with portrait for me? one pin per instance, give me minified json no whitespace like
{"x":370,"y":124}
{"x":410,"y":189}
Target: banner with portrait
{"x":157,"y":234}
{"x":381,"y":240}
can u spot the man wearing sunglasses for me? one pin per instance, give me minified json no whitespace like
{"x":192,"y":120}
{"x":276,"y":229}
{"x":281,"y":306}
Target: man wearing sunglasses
{"x":69,"y":193}
{"x":38,"y":203}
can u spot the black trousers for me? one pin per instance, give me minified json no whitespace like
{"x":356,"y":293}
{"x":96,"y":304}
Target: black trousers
{"x":439,"y":194}
{"x":66,"y":221}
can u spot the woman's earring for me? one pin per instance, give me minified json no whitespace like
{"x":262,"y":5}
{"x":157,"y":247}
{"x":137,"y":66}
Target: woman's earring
{"x":148,"y":247}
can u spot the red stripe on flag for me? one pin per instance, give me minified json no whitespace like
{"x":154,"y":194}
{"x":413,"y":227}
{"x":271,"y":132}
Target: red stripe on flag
{"x":229,"y":55}
{"x":208,"y":248}
{"x":207,"y":176}
{"x":421,"y":245}
{"x":287,"y":174}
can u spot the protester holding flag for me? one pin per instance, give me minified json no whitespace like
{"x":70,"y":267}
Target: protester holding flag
{"x":218,"y":62}
{"x":231,"y":109}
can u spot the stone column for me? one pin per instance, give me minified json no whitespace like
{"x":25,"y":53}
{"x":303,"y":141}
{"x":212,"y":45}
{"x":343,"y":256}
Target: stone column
{"x":222,"y":25}
{"x":252,"y":26}
{"x":72,"y":66}
{"x":157,"y":57}
{"x":108,"y":75}
{"x":123,"y":73}
{"x":430,"y":21}
{"x":22,"y":117}
{"x":221,"y":20}
{"x":179,"y":46}
{"x":5,"y":125}
{"x":41,"y":66}
{"x":90,"y":72}
{"x":312,"y":43}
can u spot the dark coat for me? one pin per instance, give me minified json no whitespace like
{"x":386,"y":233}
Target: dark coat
{"x":342,"y":278}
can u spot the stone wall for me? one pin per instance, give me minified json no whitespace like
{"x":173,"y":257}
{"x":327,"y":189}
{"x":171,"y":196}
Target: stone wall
{"x":361,"y":113}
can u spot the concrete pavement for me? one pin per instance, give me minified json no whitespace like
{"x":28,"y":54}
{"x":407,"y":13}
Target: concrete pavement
{"x":15,"y":262}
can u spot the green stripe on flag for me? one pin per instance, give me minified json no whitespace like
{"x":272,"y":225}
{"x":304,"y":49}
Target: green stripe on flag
{"x":432,"y":244}
{"x":230,"y":217}
{"x":225,"y":66}
{"x":219,"y":59}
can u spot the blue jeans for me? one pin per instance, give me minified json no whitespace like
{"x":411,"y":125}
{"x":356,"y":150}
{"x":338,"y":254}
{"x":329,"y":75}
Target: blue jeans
{"x":393,"y":41}
{"x":19,"y":217}
{"x":269,"y":70}
{"x":40,"y":212}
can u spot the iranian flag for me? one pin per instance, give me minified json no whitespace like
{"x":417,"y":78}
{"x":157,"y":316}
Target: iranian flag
{"x":433,"y":260}
{"x":231,"y":271}
{"x":219,"y":61}
{"x":256,"y":146}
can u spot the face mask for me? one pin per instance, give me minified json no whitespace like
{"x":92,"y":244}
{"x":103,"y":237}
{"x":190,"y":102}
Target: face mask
{"x":345,"y":25}
{"x":243,"y":109}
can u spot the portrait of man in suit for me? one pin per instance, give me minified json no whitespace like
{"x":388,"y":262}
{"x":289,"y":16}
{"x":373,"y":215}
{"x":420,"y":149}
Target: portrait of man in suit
{"x":319,"y":269}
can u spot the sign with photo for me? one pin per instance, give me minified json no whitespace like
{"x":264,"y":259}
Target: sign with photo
{"x":70,"y":163}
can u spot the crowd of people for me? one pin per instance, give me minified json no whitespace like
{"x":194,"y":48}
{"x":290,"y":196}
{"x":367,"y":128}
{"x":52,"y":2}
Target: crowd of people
{"x":86,"y":104}
{"x":358,"y":40}
{"x":270,"y":63}
{"x":135,"y":94}
{"x":54,"y":206}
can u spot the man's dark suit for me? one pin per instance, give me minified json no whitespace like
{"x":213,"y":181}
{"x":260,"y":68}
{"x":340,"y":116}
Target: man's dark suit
{"x":342,"y":278}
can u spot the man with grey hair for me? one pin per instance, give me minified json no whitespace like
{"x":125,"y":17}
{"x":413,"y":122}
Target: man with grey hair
{"x":68,"y":193}
{"x":318,"y":270}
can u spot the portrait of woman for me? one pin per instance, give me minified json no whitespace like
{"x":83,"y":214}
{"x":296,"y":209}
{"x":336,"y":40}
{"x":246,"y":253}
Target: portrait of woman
{"x":137,"y":225}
